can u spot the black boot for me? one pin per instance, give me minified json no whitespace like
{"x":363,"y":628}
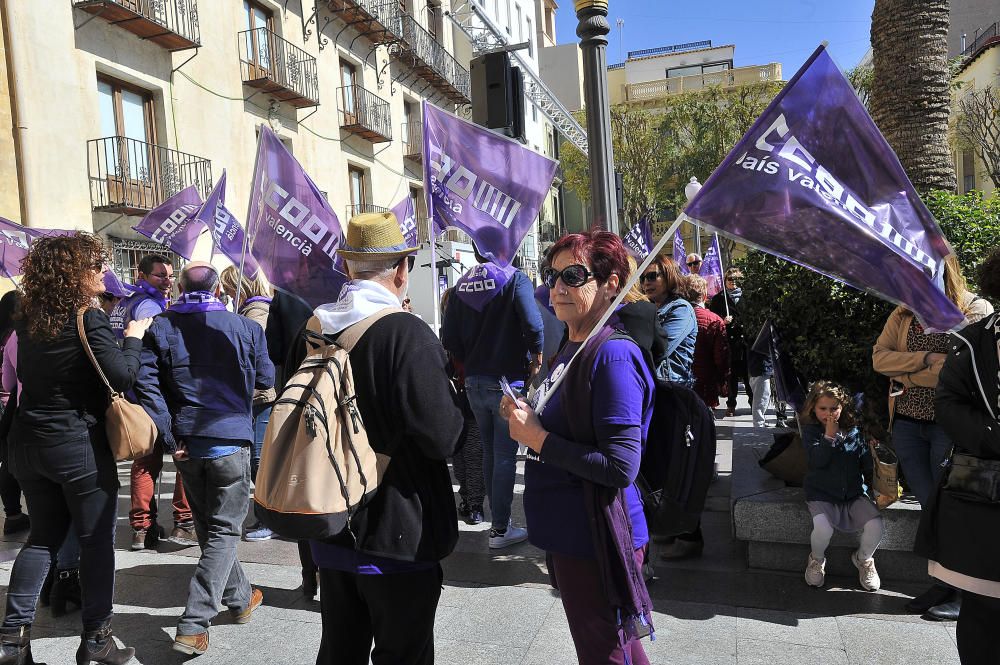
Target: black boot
{"x":65,"y":588}
{"x":15,"y":646}
{"x":309,"y":584}
{"x":98,"y":646}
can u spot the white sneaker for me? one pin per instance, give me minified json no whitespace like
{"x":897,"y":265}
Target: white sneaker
{"x":815,"y":571}
{"x":867,"y":574}
{"x":511,"y":536}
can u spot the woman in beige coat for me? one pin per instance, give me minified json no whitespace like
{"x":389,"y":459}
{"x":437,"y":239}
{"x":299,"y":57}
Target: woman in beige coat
{"x":912,"y":360}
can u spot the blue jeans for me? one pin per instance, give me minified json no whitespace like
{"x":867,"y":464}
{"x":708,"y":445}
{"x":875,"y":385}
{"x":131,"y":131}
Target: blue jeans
{"x":261,"y":416}
{"x":499,"y":450}
{"x":921,"y":448}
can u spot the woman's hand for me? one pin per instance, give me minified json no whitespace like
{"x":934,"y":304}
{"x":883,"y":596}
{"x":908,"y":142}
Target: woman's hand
{"x":932,"y":358}
{"x":138,"y":327}
{"x":523,"y":423}
{"x":832,"y":426}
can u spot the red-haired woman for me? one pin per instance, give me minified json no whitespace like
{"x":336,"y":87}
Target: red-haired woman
{"x":580,"y":499}
{"x":58,"y":447}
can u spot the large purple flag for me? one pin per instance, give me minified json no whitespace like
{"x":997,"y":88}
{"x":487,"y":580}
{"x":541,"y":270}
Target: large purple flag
{"x":16,"y":240}
{"x":407,"y":218}
{"x":295,"y":232}
{"x":680,"y":253}
{"x":814,"y":182}
{"x":227,"y":234}
{"x":711,"y":267}
{"x":639,"y":240}
{"x":173,"y":223}
{"x":482,"y":183}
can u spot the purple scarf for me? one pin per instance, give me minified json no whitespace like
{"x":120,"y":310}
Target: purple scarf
{"x":543,"y":296}
{"x":607,"y":509}
{"x":143,"y":286}
{"x":197,"y":301}
{"x":257,"y":299}
{"x":482,"y":283}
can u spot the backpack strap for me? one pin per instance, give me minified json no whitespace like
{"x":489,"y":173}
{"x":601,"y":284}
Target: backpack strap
{"x":352,"y":334}
{"x":675,"y":344}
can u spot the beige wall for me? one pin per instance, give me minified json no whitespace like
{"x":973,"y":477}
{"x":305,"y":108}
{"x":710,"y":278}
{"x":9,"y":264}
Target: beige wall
{"x":10,"y":192}
{"x":983,"y":71}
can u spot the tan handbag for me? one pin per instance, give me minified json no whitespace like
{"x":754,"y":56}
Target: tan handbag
{"x":131,"y":432}
{"x":886,"y":475}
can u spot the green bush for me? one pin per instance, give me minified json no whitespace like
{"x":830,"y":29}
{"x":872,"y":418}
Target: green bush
{"x":829,"y":328}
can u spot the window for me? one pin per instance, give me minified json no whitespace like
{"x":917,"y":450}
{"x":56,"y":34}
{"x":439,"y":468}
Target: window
{"x":409,"y":116}
{"x":349,"y":79}
{"x":968,"y":171}
{"x":435,"y":25}
{"x":697,"y":70}
{"x":549,"y":30}
{"x":357,"y":183}
{"x":420,"y":212}
{"x":126,"y":113}
{"x":531,"y":41}
{"x":260,"y":24}
{"x":520,"y":25}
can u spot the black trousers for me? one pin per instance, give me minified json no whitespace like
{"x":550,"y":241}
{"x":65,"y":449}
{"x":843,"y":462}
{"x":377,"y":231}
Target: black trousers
{"x":396,"y":611}
{"x":978,"y":637}
{"x":10,"y":491}
{"x":738,"y":371}
{"x":71,"y":482}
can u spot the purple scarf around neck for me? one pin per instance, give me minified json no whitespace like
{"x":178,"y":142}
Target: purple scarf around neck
{"x":482,"y":283}
{"x":197,"y":301}
{"x":145,"y":287}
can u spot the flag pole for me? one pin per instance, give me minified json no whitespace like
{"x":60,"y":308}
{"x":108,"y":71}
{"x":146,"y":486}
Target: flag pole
{"x":725,"y":297}
{"x":623,"y":291}
{"x":431,"y":239}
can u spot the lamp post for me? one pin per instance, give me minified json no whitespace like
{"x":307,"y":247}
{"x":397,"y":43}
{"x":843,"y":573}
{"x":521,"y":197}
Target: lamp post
{"x":593,"y":29}
{"x":690,"y":190}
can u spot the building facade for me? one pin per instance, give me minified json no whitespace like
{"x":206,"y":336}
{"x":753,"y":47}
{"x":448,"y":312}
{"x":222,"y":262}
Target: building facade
{"x":978,"y":71}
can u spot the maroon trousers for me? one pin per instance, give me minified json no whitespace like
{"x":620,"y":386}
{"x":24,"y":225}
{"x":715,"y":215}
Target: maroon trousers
{"x":592,"y":622}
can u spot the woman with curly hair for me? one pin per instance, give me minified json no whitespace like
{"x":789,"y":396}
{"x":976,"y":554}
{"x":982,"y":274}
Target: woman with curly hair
{"x":58,"y":447}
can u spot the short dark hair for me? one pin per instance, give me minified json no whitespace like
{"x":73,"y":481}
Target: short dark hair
{"x":199,"y":278}
{"x":601,"y":250}
{"x":147,"y":262}
{"x":989,"y":276}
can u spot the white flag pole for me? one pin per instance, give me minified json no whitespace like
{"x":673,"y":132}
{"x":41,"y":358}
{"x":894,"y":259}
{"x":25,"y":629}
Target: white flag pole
{"x":669,"y":235}
{"x":725,"y":297}
{"x":431,"y":239}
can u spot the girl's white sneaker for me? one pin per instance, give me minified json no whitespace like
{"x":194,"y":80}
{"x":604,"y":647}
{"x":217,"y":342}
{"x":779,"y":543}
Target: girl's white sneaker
{"x":867,"y":574}
{"x":815,"y":571}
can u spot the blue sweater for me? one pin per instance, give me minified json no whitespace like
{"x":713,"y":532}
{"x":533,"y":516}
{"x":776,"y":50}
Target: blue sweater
{"x":198,"y":374}
{"x":497,"y":340}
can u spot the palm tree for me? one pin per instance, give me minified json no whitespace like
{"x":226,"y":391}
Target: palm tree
{"x":910,"y":95}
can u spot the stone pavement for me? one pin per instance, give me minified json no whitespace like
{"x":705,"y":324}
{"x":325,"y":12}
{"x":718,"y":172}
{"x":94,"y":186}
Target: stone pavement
{"x":497,"y":607}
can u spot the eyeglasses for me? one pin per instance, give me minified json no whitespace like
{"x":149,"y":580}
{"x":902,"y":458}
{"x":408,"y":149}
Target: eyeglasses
{"x":649,"y":277}
{"x":691,"y":264}
{"x":572,"y":276}
{"x":164,"y":276}
{"x":411,"y":261}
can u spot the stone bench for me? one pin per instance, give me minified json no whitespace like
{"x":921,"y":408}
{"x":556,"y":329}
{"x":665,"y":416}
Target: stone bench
{"x":773,"y":520}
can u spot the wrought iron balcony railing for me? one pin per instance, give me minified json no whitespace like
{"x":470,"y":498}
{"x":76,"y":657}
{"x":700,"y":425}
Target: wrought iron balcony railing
{"x":364,"y":113}
{"x":377,"y":20}
{"x":648,"y":90}
{"x":988,"y":35}
{"x":413,"y":140}
{"x":172,"y":24}
{"x":132,"y":177}
{"x":278,"y":67}
{"x":429,"y":58}
{"x":362,"y":208}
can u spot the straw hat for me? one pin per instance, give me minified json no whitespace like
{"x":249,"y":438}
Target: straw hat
{"x":374,"y":235}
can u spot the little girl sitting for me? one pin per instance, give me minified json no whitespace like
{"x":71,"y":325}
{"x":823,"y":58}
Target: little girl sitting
{"x":834,"y":485}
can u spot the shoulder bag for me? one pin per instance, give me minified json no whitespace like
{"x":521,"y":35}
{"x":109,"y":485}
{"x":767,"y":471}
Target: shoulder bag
{"x":131,"y":432}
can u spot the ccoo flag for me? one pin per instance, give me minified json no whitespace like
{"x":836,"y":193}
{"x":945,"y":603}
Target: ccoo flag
{"x":295,"y":232}
{"x":680,"y":253}
{"x":482,"y":183}
{"x":407,"y":218}
{"x":173,"y":223}
{"x":711,"y":267}
{"x":814,"y":182}
{"x":639,"y":240}
{"x":227,"y":234}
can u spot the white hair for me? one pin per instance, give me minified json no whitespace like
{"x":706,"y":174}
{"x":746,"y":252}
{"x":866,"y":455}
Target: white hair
{"x":372,"y":269}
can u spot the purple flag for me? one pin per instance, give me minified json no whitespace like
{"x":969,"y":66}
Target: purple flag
{"x":227,"y":234}
{"x":173,"y":223}
{"x":16,"y":240}
{"x":680,"y":253}
{"x":711,"y":267}
{"x":639,"y":240}
{"x":482,"y":283}
{"x":115,"y":286}
{"x":482,"y":183}
{"x":295,"y":232}
{"x":407,"y":218}
{"x":814,"y":182}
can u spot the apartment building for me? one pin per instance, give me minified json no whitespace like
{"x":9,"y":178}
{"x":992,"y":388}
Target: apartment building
{"x":114,"y":105}
{"x":979,"y":69}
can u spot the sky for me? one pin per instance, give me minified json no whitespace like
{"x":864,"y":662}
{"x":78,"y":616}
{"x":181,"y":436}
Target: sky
{"x":764,"y":31}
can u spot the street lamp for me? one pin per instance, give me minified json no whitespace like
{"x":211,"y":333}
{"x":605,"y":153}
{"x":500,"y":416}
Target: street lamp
{"x":593,"y":29}
{"x":690,"y":191}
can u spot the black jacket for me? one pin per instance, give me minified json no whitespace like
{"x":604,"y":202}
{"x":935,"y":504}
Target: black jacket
{"x":285,"y":317}
{"x":964,"y":536}
{"x":737,"y":333}
{"x":411,"y":413}
{"x":61,"y":393}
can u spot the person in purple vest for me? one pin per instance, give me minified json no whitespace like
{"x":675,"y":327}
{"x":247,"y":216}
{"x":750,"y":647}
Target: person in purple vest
{"x":580,"y":498}
{"x":153,"y":278}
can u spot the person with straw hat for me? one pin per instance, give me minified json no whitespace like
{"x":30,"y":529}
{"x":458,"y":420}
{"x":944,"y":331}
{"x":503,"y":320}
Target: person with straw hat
{"x":380,"y":580}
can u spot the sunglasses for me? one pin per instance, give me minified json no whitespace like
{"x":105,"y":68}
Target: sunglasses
{"x":572,"y":276}
{"x":649,"y":277}
{"x":694,"y":263}
{"x":411,"y":261}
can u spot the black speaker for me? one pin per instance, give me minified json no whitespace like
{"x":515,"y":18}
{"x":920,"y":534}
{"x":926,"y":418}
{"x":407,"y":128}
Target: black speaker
{"x":497,"y":94}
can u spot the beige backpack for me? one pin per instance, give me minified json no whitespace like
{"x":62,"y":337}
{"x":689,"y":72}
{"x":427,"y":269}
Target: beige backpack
{"x":317,"y":466}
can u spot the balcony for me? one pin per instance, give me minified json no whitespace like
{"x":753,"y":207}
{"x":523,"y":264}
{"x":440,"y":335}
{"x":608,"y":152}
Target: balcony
{"x":362,"y":208}
{"x":376,"y":20}
{"x":364,"y":113}
{"x":651,"y":90}
{"x":985,"y":38}
{"x":278,"y":67}
{"x":172,"y":24}
{"x":413,"y":140}
{"x":429,"y":58}
{"x":131,"y":177}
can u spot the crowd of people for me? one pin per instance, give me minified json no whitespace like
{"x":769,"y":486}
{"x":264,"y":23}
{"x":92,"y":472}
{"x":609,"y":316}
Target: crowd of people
{"x":515,"y":366}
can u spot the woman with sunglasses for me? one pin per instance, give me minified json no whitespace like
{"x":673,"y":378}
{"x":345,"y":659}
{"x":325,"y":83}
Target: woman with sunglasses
{"x":662,"y":284}
{"x":580,"y":499}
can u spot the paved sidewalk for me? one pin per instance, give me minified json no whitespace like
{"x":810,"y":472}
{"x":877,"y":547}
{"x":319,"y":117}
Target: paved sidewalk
{"x":497,"y":607}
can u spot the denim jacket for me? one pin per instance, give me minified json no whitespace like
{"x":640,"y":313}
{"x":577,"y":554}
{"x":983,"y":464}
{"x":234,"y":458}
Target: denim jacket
{"x":680,"y":325}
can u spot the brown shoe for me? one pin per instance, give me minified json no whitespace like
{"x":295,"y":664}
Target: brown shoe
{"x":138,"y":539}
{"x":256,"y":598}
{"x":183,"y":535}
{"x":192,"y":645}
